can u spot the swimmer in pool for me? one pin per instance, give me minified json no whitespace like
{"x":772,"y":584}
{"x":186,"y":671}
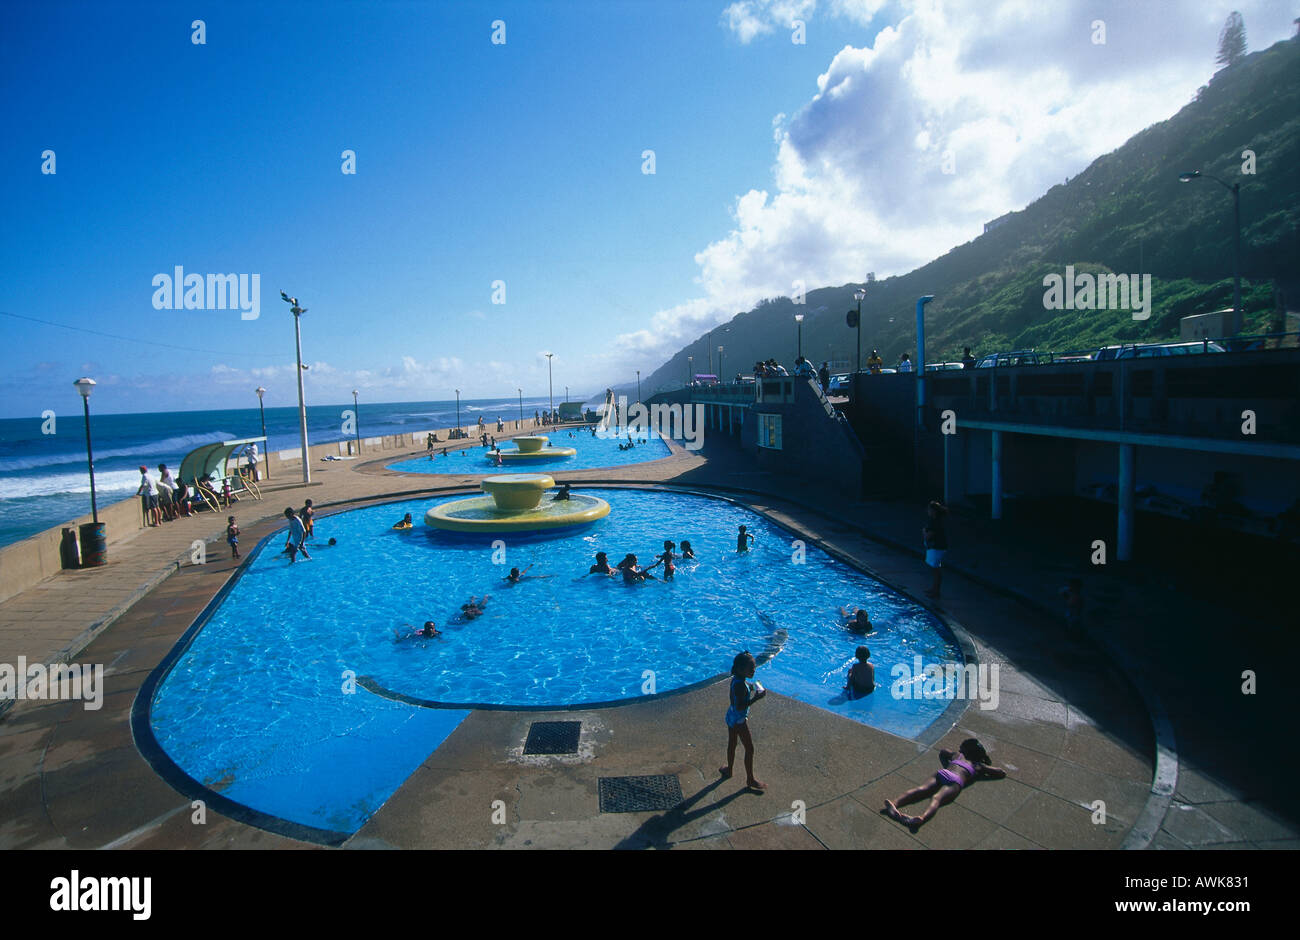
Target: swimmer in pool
{"x":862,"y":676}
{"x":474,"y":609}
{"x":427,"y":632}
{"x":857,"y":621}
{"x":631,"y":573}
{"x":602,"y":565}
{"x":665,"y":558}
{"x":960,"y":770}
{"x":687,"y":551}
{"x":743,"y":540}
{"x":515,"y":575}
{"x":404,"y":523}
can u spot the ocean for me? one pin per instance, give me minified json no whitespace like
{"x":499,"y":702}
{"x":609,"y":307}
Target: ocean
{"x":44,"y":480}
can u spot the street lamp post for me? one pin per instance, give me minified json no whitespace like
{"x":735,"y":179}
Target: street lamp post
{"x":638,"y":384}
{"x":302,"y":407}
{"x":356,"y":419}
{"x":690,"y":371}
{"x":1235,"y":189}
{"x":521,"y":406}
{"x":550,"y":379}
{"x":798,"y":319}
{"x":262,"y":411}
{"x":458,"y":414}
{"x":719,"y":363}
{"x":85,"y":386}
{"x":858,"y":295}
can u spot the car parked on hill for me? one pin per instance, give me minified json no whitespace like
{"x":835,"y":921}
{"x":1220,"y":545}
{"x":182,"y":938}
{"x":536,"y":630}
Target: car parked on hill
{"x":943,"y":366}
{"x":1154,"y":350}
{"x":1018,"y":357}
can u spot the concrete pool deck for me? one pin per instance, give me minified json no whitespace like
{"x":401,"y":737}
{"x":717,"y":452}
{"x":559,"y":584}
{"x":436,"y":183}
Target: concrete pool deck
{"x":1070,"y":727}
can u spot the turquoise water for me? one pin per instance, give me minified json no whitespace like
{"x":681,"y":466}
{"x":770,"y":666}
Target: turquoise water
{"x":592,"y":452}
{"x":256,"y":706}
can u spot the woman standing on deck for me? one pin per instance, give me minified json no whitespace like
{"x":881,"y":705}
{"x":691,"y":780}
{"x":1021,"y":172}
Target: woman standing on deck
{"x":935,"y":533}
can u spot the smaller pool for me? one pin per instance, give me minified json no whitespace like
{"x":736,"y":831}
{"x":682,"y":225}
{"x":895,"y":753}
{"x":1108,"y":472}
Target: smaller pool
{"x":594,"y":451}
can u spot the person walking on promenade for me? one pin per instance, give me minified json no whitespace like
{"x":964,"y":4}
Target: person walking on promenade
{"x":875,"y":363}
{"x":824,"y":376}
{"x":935,"y":533}
{"x":967,"y":359}
{"x":148,"y":493}
{"x":252,"y":463}
{"x":905,"y":363}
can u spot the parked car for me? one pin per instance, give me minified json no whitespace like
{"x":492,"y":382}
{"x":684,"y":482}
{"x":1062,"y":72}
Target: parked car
{"x":1154,"y":350}
{"x":942,"y":366}
{"x":1019,"y":357}
{"x":839,"y":383}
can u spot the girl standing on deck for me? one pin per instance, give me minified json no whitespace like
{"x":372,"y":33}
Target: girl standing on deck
{"x":742,"y":668}
{"x":935,"y":533}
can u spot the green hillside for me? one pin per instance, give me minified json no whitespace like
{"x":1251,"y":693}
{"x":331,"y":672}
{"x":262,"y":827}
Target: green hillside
{"x":1126,"y":213}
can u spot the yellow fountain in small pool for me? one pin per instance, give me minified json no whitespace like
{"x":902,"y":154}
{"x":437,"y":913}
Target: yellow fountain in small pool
{"x":535,"y":447}
{"x":514,"y":503}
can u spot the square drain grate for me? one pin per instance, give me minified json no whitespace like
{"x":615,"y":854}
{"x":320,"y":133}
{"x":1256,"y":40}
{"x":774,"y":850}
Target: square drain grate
{"x":553,"y":737}
{"x":639,"y":794}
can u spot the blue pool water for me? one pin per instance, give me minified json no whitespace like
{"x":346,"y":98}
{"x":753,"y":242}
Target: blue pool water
{"x":592,"y":453}
{"x":256,"y":706}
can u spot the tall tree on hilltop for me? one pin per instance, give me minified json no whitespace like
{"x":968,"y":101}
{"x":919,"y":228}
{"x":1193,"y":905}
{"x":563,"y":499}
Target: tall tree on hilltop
{"x":1232,"y":40}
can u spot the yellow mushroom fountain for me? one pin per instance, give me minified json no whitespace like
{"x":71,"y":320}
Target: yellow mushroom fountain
{"x":535,"y":447}
{"x":514,"y":503}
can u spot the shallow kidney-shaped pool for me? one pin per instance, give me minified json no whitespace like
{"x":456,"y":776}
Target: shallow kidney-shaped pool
{"x":295,"y":699}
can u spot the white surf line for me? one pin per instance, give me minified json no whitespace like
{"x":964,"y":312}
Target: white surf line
{"x":136,"y":833}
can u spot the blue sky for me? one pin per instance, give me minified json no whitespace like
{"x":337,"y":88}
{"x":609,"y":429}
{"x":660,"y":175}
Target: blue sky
{"x":519,"y":162}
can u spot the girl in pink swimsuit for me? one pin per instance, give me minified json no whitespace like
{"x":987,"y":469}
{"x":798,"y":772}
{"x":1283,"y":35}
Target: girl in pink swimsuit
{"x":959,"y":771}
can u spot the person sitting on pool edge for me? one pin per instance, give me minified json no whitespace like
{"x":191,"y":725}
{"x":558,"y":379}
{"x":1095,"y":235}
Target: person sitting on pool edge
{"x":602,"y":565}
{"x":859,"y":621}
{"x":563,"y":494}
{"x":959,"y":771}
{"x":862,"y":676}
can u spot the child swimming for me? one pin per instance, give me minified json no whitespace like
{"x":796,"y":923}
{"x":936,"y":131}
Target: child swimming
{"x":858,"y":621}
{"x":404,"y":523}
{"x":959,"y":771}
{"x":474,"y":609}
{"x":602,"y":565}
{"x":737,"y":718}
{"x":631,"y":573}
{"x":665,"y":558}
{"x":862,"y":676}
{"x":743,"y":540}
{"x":687,"y":551}
{"x":427,"y":632}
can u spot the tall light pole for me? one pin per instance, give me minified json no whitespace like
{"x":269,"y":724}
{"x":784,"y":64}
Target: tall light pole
{"x":1235,"y":189}
{"x":302,"y":407}
{"x":638,"y":384}
{"x":690,"y":371}
{"x":458,"y":414}
{"x":858,"y":295}
{"x":265,"y":443}
{"x":550,"y":379}
{"x":356,"y":419}
{"x":85,"y":386}
{"x":521,"y":406}
{"x":719,"y":363}
{"x":798,"y":319}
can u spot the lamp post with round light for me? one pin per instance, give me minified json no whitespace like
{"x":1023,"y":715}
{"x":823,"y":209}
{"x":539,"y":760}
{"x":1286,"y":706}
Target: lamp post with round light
{"x":798,"y":319}
{"x":356,"y":419}
{"x":458,"y":414}
{"x":261,"y":409}
{"x":720,"y":372}
{"x":92,"y":533}
{"x":521,"y":406}
{"x":550,"y":384}
{"x":638,"y":384}
{"x":858,"y":295}
{"x":1235,"y":189}
{"x":297,"y":312}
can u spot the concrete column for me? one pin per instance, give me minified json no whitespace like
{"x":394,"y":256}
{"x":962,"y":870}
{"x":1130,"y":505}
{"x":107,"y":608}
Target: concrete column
{"x":997,"y":474}
{"x":1127,"y":485}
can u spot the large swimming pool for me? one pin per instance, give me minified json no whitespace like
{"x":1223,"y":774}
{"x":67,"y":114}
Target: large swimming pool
{"x":592,"y":452}
{"x":295,"y":699}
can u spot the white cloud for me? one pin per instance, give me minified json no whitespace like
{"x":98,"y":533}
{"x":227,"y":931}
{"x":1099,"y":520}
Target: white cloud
{"x":1015,"y":95}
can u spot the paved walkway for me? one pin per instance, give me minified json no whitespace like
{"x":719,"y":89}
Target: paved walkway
{"x":1074,"y":730}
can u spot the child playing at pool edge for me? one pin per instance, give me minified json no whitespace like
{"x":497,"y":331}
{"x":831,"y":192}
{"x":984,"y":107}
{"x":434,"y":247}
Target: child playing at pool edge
{"x":742,"y":668}
{"x":971,"y":763}
{"x":232,"y":536}
{"x":862,"y":676}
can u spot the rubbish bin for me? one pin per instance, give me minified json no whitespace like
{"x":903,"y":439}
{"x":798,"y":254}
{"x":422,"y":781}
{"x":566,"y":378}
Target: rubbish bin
{"x":68,"y":554}
{"x":94,"y":545}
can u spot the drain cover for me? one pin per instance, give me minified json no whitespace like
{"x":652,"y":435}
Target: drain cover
{"x":553,"y":737}
{"x":639,"y":794}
